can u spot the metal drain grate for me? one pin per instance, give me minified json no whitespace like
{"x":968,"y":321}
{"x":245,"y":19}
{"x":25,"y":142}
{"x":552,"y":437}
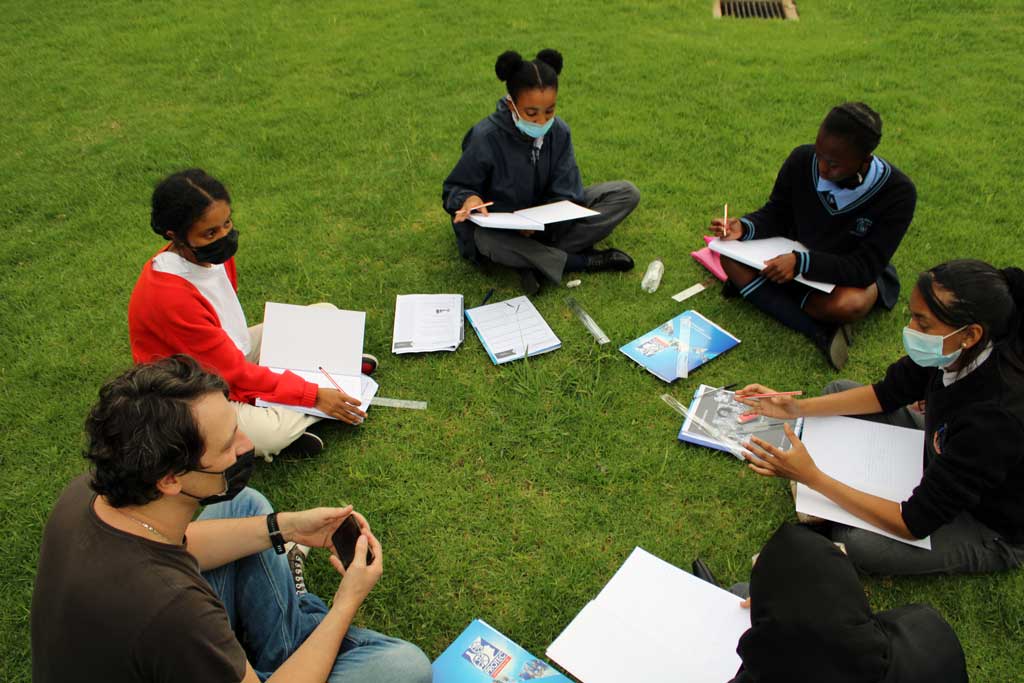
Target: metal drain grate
{"x":755,"y":9}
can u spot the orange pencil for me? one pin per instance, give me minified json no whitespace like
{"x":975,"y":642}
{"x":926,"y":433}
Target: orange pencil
{"x":474,"y":208}
{"x":777,"y":393}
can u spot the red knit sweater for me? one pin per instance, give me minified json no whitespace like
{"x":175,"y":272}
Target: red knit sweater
{"x":168,"y":315}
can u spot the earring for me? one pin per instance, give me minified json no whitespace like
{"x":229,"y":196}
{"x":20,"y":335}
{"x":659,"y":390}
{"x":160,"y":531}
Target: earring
{"x":860,"y":179}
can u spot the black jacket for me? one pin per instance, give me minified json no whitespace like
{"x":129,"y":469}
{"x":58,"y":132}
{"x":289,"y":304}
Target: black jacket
{"x":502,"y":165}
{"x":848,"y":247}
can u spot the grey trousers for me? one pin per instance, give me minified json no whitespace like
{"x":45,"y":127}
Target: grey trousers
{"x":963,"y":546}
{"x":547,"y":251}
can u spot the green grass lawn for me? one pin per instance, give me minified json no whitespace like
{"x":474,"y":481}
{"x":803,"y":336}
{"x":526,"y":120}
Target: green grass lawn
{"x":522,"y":488}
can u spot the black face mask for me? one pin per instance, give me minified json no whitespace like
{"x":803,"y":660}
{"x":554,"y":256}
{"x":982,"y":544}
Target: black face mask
{"x":235,"y":479}
{"x":217,"y":252}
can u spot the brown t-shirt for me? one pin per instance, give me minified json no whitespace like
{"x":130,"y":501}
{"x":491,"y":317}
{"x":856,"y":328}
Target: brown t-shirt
{"x":110,"y":606}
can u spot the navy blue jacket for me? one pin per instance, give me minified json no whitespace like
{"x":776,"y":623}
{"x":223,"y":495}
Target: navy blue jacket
{"x":501,"y":165}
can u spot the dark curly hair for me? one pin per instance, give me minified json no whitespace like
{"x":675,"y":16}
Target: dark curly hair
{"x":142,"y":428}
{"x":519,"y":74}
{"x":857,"y":123}
{"x":181,"y":199}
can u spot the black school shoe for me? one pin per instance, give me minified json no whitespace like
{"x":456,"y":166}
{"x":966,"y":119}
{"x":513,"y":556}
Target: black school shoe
{"x":835,"y":345}
{"x":308,"y":444}
{"x":609,"y":259}
{"x":528,"y":281}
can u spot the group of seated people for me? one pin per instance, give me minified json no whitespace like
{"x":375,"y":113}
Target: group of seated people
{"x":179,"y":432}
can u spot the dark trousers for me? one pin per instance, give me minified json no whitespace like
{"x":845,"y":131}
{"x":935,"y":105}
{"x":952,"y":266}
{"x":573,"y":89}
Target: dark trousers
{"x":963,"y":546}
{"x":547,"y":251}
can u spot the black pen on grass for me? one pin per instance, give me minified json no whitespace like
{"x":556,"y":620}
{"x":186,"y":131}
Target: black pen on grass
{"x":487,"y":297}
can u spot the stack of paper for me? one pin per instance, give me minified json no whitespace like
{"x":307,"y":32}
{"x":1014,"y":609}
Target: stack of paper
{"x":876,"y":458}
{"x":481,"y":654}
{"x":755,"y":253}
{"x":427,"y":322}
{"x":512,"y":329}
{"x":534,"y":218}
{"x":654,"y":622}
{"x":304,"y":338}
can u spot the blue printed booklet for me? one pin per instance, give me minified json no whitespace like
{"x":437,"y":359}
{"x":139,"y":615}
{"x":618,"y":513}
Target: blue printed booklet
{"x":714,"y":421}
{"x":482,"y":654}
{"x":680,"y":346}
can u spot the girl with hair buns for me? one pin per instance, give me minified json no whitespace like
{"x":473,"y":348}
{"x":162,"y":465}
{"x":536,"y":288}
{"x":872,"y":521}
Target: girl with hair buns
{"x":965,"y":361}
{"x":522,"y":156}
{"x":850,"y":209}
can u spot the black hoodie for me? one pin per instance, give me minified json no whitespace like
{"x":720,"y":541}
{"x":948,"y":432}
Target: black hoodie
{"x":502,"y":165}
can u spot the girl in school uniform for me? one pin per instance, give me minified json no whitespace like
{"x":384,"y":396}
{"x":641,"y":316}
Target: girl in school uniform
{"x":185,"y":301}
{"x":965,"y":362}
{"x":810,"y":622}
{"x":522,"y":156}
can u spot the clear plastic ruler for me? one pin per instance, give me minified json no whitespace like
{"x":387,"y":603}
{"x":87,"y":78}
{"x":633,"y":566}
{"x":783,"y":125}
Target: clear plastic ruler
{"x":398,"y":403}
{"x":587,"y":321}
{"x":714,"y":433}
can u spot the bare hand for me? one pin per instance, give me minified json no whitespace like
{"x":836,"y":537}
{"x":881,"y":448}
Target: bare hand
{"x":359,"y":579}
{"x":734,"y":231}
{"x":767,"y":460}
{"x":467,"y":208}
{"x":745,"y":604}
{"x":313,"y":527}
{"x":780,"y":269}
{"x":339,"y":405}
{"x":781,"y":407}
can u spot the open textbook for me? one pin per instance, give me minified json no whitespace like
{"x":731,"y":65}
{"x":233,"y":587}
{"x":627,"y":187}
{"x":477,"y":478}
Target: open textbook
{"x":427,"y":322}
{"x":876,"y":458}
{"x":534,"y":218}
{"x":512,"y":329}
{"x":654,"y":622}
{"x":481,"y":654}
{"x":755,"y":253}
{"x":304,"y":338}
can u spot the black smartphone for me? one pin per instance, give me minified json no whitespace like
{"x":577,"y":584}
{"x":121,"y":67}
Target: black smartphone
{"x":344,"y":540}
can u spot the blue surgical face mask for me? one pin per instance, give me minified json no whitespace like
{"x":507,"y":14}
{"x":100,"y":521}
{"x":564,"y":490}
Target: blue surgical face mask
{"x":926,"y":349}
{"x":534,"y":130}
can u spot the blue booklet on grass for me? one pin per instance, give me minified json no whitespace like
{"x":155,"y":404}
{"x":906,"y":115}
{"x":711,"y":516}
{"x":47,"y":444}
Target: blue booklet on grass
{"x":482,"y":654}
{"x":680,"y":346}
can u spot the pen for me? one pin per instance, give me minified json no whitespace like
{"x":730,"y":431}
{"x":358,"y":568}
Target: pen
{"x":487,"y":297}
{"x":777,"y":393}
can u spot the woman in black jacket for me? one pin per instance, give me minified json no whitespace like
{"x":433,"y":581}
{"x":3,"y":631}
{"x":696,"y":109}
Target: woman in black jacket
{"x":965,"y":362}
{"x":519,"y":157}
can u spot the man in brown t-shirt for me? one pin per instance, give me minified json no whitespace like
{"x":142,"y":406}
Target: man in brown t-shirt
{"x":129,"y":588}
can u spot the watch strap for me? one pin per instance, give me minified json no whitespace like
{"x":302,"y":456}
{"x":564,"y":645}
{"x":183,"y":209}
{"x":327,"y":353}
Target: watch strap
{"x":276,"y":537}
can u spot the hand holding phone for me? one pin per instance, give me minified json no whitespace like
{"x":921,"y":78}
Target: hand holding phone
{"x":344,"y":541}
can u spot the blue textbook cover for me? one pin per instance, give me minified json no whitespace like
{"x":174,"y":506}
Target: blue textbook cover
{"x":680,"y":346}
{"x":482,"y":654}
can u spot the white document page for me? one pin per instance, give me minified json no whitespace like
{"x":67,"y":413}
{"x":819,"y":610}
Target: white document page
{"x":427,"y":322}
{"x":364,"y":388}
{"x":684,"y":628}
{"x":306,"y":337}
{"x":755,"y":253}
{"x":557,"y":212}
{"x":505,"y":221}
{"x":508,"y":328}
{"x":876,"y":458}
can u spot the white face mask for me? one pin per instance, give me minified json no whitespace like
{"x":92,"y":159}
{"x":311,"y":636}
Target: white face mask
{"x":926,"y":349}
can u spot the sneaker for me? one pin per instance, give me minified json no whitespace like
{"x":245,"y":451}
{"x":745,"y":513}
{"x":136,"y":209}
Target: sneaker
{"x":369,"y":364}
{"x":609,"y":259}
{"x":528,"y":281}
{"x":834,"y":345}
{"x":296,"y":555}
{"x":308,"y":444}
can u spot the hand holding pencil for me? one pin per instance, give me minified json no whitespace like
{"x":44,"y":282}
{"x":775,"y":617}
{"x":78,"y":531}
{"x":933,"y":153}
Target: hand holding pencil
{"x":473,"y":203}
{"x":768,"y":402}
{"x":726,"y":228}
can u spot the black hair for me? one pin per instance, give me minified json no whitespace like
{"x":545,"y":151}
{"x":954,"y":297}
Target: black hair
{"x":977,"y":293}
{"x":857,"y":123}
{"x":181,"y":199}
{"x":142,"y":428}
{"x":519,"y":74}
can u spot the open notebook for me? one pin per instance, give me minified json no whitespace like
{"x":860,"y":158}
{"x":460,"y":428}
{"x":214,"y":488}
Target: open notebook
{"x":755,"y":253}
{"x":534,"y":218}
{"x":304,"y":338}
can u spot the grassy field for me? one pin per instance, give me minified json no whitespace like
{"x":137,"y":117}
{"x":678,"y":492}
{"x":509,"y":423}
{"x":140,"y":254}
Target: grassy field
{"x":521,"y":489}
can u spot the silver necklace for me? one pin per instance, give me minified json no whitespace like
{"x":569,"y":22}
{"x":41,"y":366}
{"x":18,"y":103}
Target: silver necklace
{"x":147,"y":527}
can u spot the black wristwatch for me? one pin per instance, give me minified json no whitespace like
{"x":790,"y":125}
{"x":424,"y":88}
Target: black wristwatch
{"x":276,"y":537}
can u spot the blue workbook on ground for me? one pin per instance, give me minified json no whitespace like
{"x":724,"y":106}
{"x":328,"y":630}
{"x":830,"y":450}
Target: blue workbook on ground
{"x":482,"y":654}
{"x":680,"y":346}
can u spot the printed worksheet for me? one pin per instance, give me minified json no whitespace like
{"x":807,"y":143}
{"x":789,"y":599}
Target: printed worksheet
{"x":512,"y":329}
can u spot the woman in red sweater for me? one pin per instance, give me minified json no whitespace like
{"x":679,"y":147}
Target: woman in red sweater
{"x":185,"y":301}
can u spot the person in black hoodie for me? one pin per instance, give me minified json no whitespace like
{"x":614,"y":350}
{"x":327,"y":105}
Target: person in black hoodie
{"x":522,"y":156}
{"x":965,"y":362}
{"x":850,"y":209}
{"x":810,"y":622}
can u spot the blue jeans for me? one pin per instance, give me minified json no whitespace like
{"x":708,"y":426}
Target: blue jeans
{"x":271,"y":621}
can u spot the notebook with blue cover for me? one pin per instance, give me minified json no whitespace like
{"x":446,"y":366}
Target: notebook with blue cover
{"x":512,"y":329}
{"x":680,"y":346}
{"x":481,"y":654}
{"x":718,"y":409}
